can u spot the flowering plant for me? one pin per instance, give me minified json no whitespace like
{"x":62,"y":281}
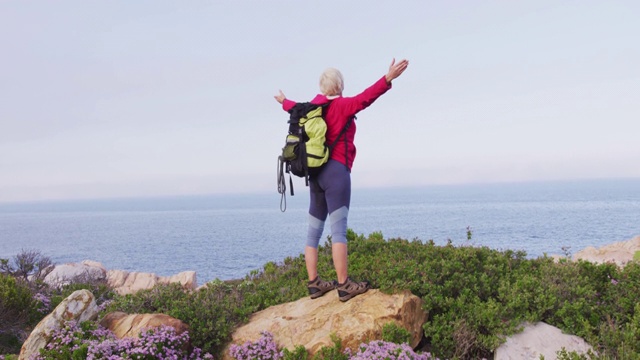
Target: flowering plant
{"x":388,"y":351}
{"x":87,"y":341}
{"x":265,"y":348}
{"x":44,"y":302}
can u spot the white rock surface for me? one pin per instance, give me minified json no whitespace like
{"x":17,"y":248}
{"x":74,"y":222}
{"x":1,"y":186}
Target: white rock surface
{"x":66,"y":273}
{"x":539,"y":339}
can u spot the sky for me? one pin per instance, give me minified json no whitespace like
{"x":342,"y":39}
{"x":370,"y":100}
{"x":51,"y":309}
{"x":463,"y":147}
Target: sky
{"x":111,"y":99}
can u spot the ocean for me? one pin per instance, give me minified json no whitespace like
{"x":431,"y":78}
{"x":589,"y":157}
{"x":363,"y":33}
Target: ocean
{"x":227,"y":236}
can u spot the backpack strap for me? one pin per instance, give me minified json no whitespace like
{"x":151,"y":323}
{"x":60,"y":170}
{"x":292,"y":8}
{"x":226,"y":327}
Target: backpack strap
{"x":343,"y":132}
{"x":282,"y":185}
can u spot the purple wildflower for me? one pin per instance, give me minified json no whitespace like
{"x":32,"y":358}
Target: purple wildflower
{"x":158,"y":343}
{"x":45,"y":302}
{"x":263,"y":349}
{"x":388,"y":351}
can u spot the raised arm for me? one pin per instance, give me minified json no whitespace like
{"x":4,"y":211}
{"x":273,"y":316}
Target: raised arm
{"x":282,"y":99}
{"x":361,"y":101}
{"x":395,"y":70}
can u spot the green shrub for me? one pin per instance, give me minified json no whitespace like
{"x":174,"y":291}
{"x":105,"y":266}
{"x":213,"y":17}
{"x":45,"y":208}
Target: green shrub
{"x":18,"y":310}
{"x":211,"y":313}
{"x":474,"y":296}
{"x":335,"y":352}
{"x":299,"y":353}
{"x":99,"y":288}
{"x":391,"y":332}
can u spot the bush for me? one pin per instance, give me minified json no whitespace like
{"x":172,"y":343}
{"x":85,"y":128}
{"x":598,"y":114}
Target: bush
{"x":215,"y":311}
{"x":25,"y":298}
{"x":22,"y":303}
{"x":18,"y":310}
{"x":212,"y":313}
{"x":29,"y":265}
{"x":391,"y":332}
{"x":265,"y":348}
{"x":335,"y":352}
{"x":475,"y":296}
{"x":98,"y":287}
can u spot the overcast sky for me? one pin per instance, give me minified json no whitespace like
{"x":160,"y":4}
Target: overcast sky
{"x":142,"y":98}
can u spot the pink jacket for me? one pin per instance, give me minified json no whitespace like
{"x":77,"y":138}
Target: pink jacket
{"x":339,"y":112}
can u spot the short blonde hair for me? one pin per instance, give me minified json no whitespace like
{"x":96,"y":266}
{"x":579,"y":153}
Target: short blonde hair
{"x":331,"y":82}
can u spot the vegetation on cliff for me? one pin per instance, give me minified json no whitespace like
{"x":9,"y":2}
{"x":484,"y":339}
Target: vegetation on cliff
{"x":475,"y":296}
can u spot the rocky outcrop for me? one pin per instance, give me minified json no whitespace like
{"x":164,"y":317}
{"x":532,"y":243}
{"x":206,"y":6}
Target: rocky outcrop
{"x":311,"y":322}
{"x":66,"y":273}
{"x":539,"y":340}
{"x":79,"y":306}
{"x":619,"y":253}
{"x":124,"y":282}
{"x":124,"y":325}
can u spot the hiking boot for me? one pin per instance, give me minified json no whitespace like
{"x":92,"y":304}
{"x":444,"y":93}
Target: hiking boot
{"x":352,"y":288}
{"x":318,"y":287}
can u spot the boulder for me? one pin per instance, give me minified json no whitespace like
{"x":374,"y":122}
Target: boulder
{"x":79,"y":306}
{"x":619,"y":253}
{"x":66,"y":273}
{"x":124,"y":325}
{"x":538,"y":340}
{"x":124,"y":282}
{"x":310,"y":322}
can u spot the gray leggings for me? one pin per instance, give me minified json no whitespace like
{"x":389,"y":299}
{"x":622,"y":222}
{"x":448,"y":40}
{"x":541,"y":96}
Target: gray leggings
{"x":330,"y":194}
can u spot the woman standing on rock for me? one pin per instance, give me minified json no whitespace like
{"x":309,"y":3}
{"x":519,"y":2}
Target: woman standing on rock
{"x":330,"y":190}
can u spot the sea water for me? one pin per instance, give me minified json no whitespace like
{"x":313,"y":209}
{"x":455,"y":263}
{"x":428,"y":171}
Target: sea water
{"x":227,"y":236}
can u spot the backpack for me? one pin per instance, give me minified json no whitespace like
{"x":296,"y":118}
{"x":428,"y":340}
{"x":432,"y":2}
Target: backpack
{"x":305,"y":150}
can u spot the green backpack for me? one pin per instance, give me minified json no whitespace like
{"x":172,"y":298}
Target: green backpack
{"x":305,"y":150}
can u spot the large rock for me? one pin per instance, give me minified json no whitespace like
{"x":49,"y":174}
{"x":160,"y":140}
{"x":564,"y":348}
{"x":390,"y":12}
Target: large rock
{"x":66,"y":273}
{"x":79,"y":306}
{"x":619,"y":253}
{"x":311,"y":322}
{"x":539,"y":340}
{"x":124,"y":325}
{"x":124,"y":282}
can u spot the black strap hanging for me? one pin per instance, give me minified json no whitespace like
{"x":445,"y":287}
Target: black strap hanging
{"x":343,"y":132}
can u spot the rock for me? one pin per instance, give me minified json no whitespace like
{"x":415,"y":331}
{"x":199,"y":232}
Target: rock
{"x":124,"y":282}
{"x":311,"y":322}
{"x":619,"y":253}
{"x":66,"y":273}
{"x":538,"y":340}
{"x":79,"y":306}
{"x":121,"y":281}
{"x":187,"y":279}
{"x":124,"y":325}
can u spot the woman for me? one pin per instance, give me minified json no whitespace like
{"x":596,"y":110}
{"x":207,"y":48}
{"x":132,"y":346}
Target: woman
{"x":330,"y":190}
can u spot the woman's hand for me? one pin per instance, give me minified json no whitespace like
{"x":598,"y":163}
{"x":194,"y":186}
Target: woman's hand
{"x":396,"y":70}
{"x":280,"y":97}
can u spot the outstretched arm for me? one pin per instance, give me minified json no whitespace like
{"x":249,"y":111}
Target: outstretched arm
{"x":361,"y":101}
{"x":282,"y":99}
{"x":396,"y":70}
